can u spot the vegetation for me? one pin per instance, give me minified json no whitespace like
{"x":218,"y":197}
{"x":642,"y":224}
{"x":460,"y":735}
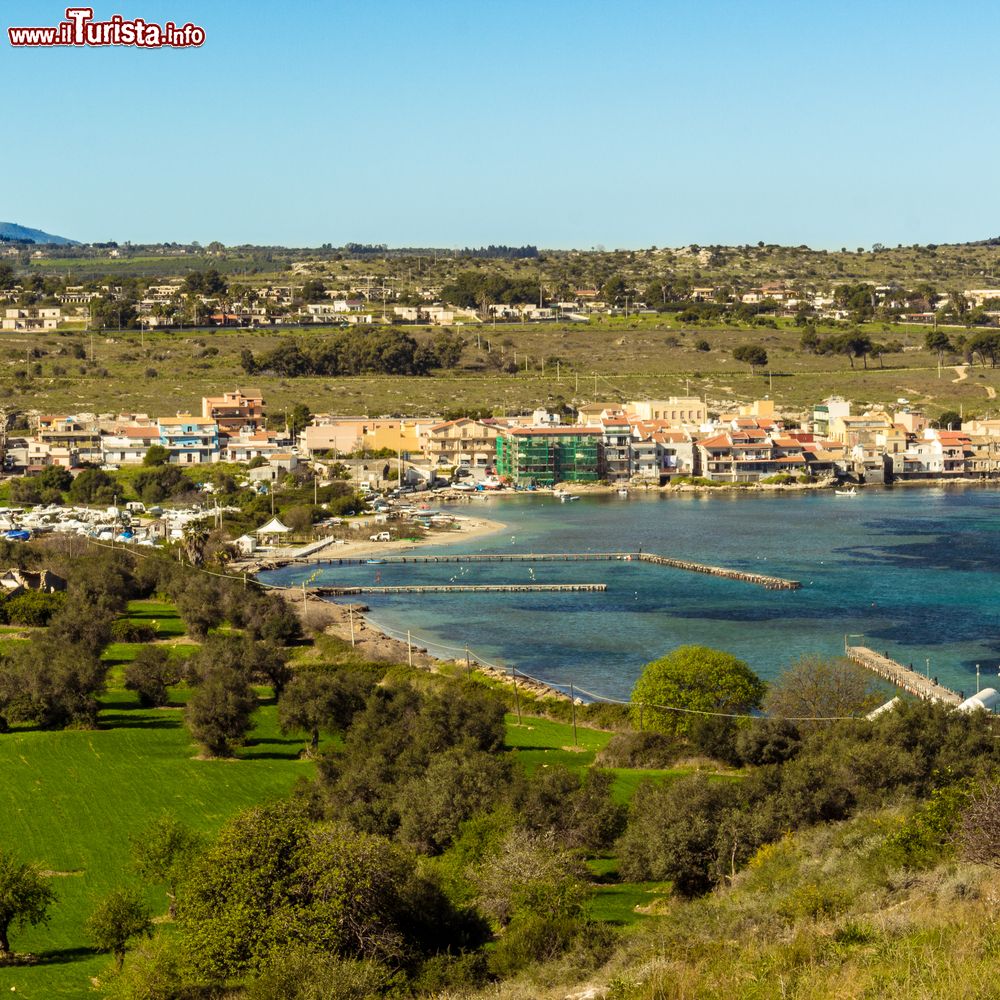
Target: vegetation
{"x":435,"y":845}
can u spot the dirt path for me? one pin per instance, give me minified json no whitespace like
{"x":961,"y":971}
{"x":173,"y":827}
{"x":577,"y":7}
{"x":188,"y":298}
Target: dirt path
{"x":962,"y":371}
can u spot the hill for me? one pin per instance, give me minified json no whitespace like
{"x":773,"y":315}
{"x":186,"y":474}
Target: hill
{"x":12,"y":231}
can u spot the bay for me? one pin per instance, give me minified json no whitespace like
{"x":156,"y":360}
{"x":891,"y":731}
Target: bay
{"x":911,"y":572}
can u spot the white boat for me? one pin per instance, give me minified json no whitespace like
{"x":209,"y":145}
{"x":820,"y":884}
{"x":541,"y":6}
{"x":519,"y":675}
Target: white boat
{"x":567,"y":497}
{"x":852,"y":492}
{"x":623,"y":491}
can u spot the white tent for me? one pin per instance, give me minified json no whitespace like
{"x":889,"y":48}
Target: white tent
{"x":273,"y":527}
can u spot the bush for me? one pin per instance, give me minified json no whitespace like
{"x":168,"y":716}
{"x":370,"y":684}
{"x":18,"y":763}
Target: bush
{"x":33,"y":608}
{"x":123,"y":630}
{"x":646,"y":750}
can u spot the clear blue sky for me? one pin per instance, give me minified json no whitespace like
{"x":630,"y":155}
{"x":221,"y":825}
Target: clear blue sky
{"x":433,"y":122}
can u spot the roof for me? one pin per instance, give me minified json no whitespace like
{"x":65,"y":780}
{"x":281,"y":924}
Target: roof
{"x":185,"y":418}
{"x":273,"y":527}
{"x":567,"y":431}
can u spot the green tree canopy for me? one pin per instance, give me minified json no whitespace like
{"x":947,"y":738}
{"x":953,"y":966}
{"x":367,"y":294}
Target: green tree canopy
{"x":118,"y":918}
{"x":751,"y":354}
{"x":156,"y":455}
{"x":696,"y":679}
{"x":25,"y":898}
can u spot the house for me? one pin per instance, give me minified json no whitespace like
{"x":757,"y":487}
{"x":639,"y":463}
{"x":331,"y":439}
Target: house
{"x":38,"y":318}
{"x":66,"y":440}
{"x":676,"y":410}
{"x":189,"y":440}
{"x":246,"y":445}
{"x":233,"y":411}
{"x":128,"y":445}
{"x":616,"y":442}
{"x":828,"y":411}
{"x":660,"y":453}
{"x":463,"y":442}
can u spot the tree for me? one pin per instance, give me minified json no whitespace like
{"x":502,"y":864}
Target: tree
{"x":156,"y":455}
{"x":25,"y":898}
{"x":751,"y":354}
{"x":55,"y":477}
{"x":320,"y":700}
{"x":950,"y":420}
{"x":93,"y":486}
{"x":854,"y":345}
{"x":987,"y":345}
{"x":273,"y":880}
{"x":118,"y":918}
{"x":163,"y":852}
{"x":693,"y":679}
{"x":298,"y":418}
{"x":937,"y":340}
{"x":819,"y":687}
{"x":150,"y":675}
{"x":220,"y":711}
{"x":674,"y":833}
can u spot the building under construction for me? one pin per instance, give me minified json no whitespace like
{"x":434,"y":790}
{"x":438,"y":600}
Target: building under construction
{"x":544,"y":456}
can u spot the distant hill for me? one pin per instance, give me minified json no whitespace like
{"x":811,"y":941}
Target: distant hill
{"x":12,"y":231}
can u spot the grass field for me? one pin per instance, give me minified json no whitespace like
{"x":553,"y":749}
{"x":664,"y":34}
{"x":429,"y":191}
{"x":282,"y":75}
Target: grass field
{"x":610,"y":361}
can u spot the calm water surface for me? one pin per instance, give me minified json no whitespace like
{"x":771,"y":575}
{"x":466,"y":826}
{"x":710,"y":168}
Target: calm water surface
{"x":917,"y":571}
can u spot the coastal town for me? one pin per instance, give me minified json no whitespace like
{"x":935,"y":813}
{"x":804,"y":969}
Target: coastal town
{"x":653,"y":443}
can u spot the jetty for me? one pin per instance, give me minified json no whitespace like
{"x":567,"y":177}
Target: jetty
{"x":460,"y":588}
{"x":742,"y":576}
{"x":901,"y":676}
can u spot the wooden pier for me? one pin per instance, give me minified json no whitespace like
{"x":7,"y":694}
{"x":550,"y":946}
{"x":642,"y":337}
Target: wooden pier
{"x":901,"y":676}
{"x":459,"y":588}
{"x":742,"y":576}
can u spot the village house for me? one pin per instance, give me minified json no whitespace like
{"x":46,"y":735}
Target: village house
{"x":128,"y":444}
{"x":461,"y":443}
{"x":65,"y":440}
{"x":234,"y":411}
{"x":189,"y":440}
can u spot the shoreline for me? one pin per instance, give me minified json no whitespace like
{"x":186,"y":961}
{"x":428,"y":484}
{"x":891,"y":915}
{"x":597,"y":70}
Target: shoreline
{"x":348,"y":620}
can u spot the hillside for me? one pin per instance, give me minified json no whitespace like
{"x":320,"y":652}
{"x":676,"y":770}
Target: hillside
{"x":13,"y":231}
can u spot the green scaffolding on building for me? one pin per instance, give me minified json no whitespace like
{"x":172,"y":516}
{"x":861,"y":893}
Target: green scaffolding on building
{"x":545,"y":458}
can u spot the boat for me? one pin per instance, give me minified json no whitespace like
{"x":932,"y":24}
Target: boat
{"x":852,"y":492}
{"x":623,"y":491}
{"x":567,"y":497}
{"x":560,"y":494}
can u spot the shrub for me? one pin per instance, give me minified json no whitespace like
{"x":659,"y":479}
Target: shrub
{"x":640,"y":750}
{"x":33,"y":608}
{"x":123,"y":630}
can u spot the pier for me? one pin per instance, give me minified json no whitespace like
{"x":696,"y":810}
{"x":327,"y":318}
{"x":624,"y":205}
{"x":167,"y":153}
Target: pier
{"x":901,"y":676}
{"x":742,"y":576}
{"x":460,"y":588}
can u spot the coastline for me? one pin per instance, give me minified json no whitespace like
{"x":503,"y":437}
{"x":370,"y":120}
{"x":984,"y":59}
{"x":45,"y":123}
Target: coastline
{"x":347,"y":620}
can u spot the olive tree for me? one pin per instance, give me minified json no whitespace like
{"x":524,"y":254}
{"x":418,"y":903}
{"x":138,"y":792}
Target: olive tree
{"x":25,"y":898}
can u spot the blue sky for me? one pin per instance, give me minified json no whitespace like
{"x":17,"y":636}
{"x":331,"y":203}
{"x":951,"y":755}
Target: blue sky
{"x":431,"y":122}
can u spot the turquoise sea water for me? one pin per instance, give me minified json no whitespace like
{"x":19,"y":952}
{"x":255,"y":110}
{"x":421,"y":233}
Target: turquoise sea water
{"x":917,"y":571}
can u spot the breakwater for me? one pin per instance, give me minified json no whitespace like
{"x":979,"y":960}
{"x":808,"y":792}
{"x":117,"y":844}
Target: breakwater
{"x":742,"y":576}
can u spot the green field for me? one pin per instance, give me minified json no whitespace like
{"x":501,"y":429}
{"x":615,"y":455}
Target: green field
{"x":609,"y":361}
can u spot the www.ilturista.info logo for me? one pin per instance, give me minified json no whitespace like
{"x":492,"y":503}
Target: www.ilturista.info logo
{"x":80,"y":28}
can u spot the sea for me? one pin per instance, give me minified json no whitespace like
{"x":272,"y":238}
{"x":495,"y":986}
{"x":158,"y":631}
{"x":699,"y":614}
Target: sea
{"x":913,"y":572}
